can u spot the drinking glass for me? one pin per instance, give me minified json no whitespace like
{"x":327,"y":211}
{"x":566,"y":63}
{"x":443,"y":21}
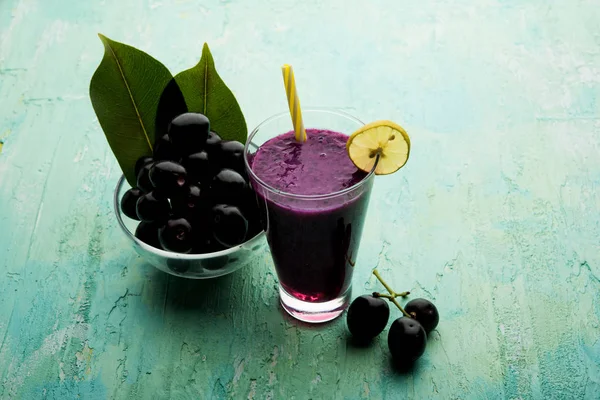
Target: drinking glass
{"x":314,"y":239}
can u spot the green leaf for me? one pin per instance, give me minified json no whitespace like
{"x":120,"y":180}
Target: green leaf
{"x":125,"y":92}
{"x":206,"y":93}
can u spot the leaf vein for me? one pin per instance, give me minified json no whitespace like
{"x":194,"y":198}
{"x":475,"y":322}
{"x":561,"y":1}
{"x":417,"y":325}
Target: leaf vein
{"x":130,"y":96}
{"x":205,"y":85}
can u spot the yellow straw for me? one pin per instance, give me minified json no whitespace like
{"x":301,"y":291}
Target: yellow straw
{"x":293,"y":102}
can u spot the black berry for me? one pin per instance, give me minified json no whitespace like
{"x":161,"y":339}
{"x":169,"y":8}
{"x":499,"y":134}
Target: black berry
{"x":367,"y":317}
{"x":165,"y":150}
{"x":198,"y":166}
{"x":143,"y":178}
{"x":406,"y":340}
{"x":249,"y":207}
{"x":216,"y":263}
{"x":168,"y":176}
{"x":153,"y":207}
{"x":229,"y":226}
{"x":207,"y":244}
{"x":231,"y":155}
{"x":190,"y":204}
{"x":425,"y":312}
{"x":147,"y":232}
{"x":189,"y":132}
{"x":212,"y":141}
{"x":139,"y":164}
{"x":178,"y":266}
{"x":129,"y":202}
{"x":229,"y":186}
{"x":176,"y":236}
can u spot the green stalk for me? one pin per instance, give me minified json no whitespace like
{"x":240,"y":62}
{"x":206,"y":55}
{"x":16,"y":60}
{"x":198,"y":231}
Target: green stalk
{"x":393,"y":295}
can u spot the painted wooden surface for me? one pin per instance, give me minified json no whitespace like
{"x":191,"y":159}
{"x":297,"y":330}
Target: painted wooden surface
{"x":495,"y":218}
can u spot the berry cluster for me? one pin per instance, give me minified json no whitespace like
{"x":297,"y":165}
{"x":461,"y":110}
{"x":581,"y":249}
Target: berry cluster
{"x":192,"y":195}
{"x":368,"y":316}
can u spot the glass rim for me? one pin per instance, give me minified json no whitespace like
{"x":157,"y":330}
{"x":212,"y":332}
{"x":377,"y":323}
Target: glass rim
{"x":170,"y":254}
{"x":325,"y":196}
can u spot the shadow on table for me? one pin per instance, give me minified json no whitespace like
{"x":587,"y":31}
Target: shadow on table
{"x":402,"y":369}
{"x":211,"y":296}
{"x":220,"y":296}
{"x":364,"y":347}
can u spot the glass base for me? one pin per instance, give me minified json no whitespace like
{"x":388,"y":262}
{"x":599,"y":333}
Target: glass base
{"x":314,"y":312}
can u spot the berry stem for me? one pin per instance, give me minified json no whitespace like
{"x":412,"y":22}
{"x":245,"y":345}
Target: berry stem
{"x":393,"y":295}
{"x":389,"y":296}
{"x":384,"y":283}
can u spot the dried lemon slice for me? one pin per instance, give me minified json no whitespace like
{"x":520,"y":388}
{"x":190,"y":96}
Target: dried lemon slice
{"x":384,"y":138}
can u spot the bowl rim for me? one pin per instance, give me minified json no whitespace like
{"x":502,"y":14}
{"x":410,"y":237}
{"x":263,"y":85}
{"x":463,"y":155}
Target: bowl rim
{"x":169,"y":254}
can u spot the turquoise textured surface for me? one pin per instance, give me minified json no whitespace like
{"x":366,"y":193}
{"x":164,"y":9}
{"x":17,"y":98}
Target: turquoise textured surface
{"x":495,"y":217}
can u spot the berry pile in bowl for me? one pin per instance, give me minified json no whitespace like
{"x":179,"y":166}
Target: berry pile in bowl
{"x":193,"y":212}
{"x":184,"y":201}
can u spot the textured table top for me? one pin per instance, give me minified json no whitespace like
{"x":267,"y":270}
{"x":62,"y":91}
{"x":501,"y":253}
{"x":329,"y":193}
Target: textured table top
{"x":495,"y":217}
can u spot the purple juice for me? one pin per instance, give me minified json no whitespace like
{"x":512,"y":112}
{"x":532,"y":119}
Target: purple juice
{"x":314,"y":241}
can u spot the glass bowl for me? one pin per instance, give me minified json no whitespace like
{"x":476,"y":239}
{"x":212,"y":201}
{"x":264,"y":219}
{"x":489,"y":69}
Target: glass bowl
{"x":193,"y":266}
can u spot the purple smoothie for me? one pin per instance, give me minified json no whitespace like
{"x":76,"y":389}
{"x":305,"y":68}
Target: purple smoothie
{"x":314,"y":242}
